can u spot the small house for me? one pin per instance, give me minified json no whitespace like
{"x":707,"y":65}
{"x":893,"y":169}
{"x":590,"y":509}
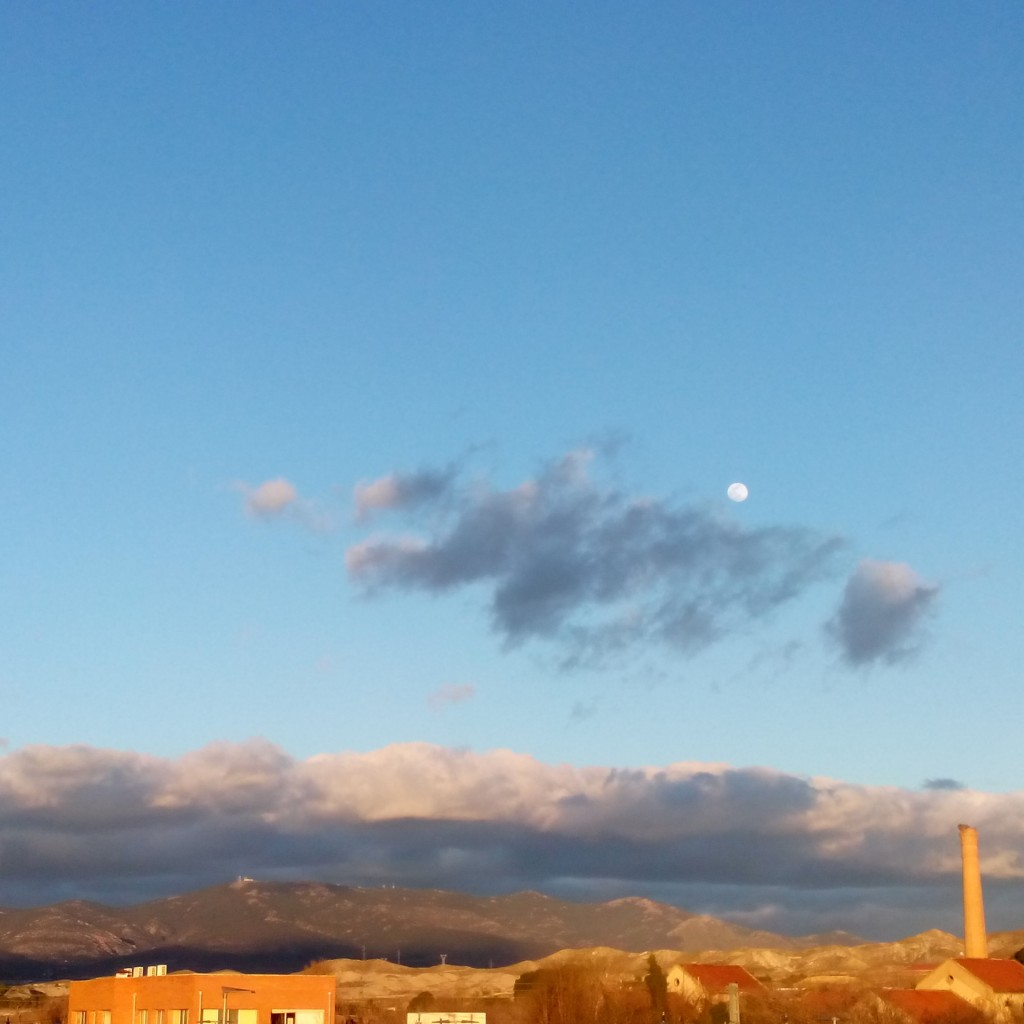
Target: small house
{"x":709,"y":983}
{"x":995,"y":986}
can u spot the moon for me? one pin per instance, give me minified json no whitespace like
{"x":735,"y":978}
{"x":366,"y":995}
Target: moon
{"x":737,"y":491}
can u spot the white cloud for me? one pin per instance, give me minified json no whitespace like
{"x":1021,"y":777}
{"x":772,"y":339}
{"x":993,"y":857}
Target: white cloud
{"x":376,"y":494}
{"x":279,"y":498}
{"x":270,"y":498}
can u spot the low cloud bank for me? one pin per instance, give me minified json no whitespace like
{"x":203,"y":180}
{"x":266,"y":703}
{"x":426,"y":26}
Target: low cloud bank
{"x":751,"y":843}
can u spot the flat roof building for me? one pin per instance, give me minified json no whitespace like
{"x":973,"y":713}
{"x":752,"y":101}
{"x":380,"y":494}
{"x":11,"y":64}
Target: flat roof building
{"x":185,"y":998}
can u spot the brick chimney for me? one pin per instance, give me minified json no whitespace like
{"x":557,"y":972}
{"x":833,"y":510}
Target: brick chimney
{"x":975,"y":939}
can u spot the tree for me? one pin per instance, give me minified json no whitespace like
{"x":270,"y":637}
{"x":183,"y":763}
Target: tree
{"x":657,"y":984}
{"x":421,"y":1001}
{"x":562,"y":995}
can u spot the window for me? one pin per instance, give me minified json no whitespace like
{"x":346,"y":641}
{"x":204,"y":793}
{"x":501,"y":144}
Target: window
{"x":295,"y":1017}
{"x":179,"y":1016}
{"x":241,"y":1016}
{"x":141,"y":1017}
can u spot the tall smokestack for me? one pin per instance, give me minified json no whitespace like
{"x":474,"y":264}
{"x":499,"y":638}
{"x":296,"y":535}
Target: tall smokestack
{"x":975,"y":940}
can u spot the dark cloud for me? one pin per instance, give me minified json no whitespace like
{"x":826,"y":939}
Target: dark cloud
{"x":121,"y":827}
{"x":881,"y":613}
{"x":594,"y":569}
{"x":943,"y":784}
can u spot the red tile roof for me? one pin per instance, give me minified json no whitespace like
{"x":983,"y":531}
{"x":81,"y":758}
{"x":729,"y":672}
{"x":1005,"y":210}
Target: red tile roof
{"x":927,"y":1007}
{"x":715,"y":977}
{"x":999,"y":975}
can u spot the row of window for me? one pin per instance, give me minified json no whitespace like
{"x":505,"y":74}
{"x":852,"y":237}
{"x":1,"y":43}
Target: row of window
{"x":145,"y":1017}
{"x":160,"y":1017}
{"x":209,"y":1015}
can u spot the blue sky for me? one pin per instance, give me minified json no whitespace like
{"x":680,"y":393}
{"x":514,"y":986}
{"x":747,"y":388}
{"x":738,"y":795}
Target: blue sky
{"x":542,"y":280}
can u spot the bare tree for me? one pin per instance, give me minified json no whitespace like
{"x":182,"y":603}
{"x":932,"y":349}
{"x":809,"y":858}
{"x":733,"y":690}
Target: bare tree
{"x":563,"y":995}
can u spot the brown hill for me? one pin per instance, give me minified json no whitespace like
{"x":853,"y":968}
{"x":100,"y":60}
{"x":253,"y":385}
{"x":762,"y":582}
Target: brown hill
{"x":880,"y":964}
{"x":281,"y":926}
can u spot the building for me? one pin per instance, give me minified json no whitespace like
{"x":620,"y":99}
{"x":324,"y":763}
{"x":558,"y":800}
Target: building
{"x":187,"y":998}
{"x":709,"y":983}
{"x":994,"y":986}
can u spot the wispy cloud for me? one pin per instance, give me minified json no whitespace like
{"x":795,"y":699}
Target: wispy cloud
{"x":118,"y":825}
{"x":586,"y":566}
{"x":279,"y":498}
{"x":269,"y":499}
{"x":400,"y":491}
{"x":582,"y":711}
{"x":881,"y":613}
{"x":451,"y":693}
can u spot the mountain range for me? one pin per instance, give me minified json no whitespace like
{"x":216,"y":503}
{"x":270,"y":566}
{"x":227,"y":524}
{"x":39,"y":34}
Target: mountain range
{"x":281,"y":926}
{"x":284,"y":926}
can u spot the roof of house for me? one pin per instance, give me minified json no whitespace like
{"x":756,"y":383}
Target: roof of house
{"x":928,"y":1007}
{"x":999,"y":975}
{"x":715,"y":977}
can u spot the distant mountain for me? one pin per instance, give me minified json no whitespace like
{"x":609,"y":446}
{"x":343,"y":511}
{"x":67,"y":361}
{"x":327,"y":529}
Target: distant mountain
{"x":282,"y":926}
{"x":388,"y":942}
